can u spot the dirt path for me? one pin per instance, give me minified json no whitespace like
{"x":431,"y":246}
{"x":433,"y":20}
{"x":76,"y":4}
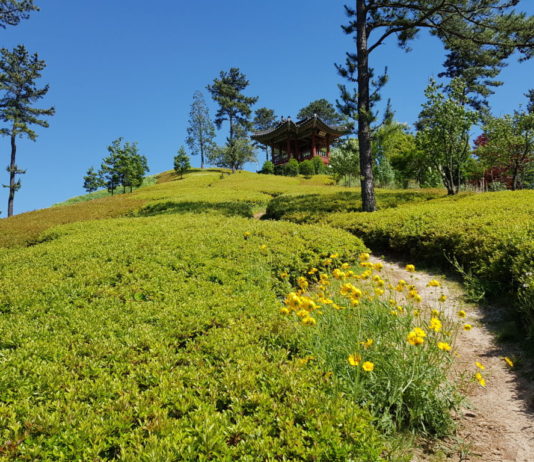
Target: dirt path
{"x":496,"y":425}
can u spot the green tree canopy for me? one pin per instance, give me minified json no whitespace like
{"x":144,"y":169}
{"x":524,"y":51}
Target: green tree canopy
{"x":443,"y":132}
{"x":264,"y":119}
{"x":509,"y":145}
{"x":18,"y":74}
{"x":181,"y":162}
{"x":234,"y":106}
{"x":92,"y":180}
{"x":344,"y":161}
{"x":471,"y":30}
{"x":234,"y":155}
{"x":200,"y":132}
{"x":324,"y":110}
{"x":13,"y":11}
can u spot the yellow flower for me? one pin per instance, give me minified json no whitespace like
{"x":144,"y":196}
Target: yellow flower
{"x":363,"y":256}
{"x":345,"y":266}
{"x":433,"y":283}
{"x":303,"y":313}
{"x":444,"y":346}
{"x":435,"y":313}
{"x":468,"y":326}
{"x":367,"y":343}
{"x":461,"y":314}
{"x":338,"y":274}
{"x":327,"y":261}
{"x":417,"y":298}
{"x":292,"y":300}
{"x":246,"y":234}
{"x":419,"y":332}
{"x":309,"y":321}
{"x":410,"y":268}
{"x":442,"y":299}
{"x":480,"y":365}
{"x":402,"y":282}
{"x":378,"y":266}
{"x":416,"y":313}
{"x":394,"y":313}
{"x":354,"y":360}
{"x":302,"y":282}
{"x":354,"y":301}
{"x":263,"y":247}
{"x":508,"y":361}
{"x":312,"y":271}
{"x":284,"y":275}
{"x":334,"y":256}
{"x":284,"y":311}
{"x":414,"y":339}
{"x":435,"y":324}
{"x":480,"y":379}
{"x":368,"y":366}
{"x":379,"y":291}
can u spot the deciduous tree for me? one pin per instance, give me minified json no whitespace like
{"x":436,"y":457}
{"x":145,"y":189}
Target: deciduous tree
{"x":19,"y":72}
{"x":200,"y":132}
{"x":443,"y":132}
{"x":475,"y":29}
{"x":509,"y":144}
{"x":234,"y":155}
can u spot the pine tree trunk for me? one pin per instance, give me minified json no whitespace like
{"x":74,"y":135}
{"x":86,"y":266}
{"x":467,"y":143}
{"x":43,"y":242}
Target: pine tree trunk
{"x":12,"y":173}
{"x":364,"y":125}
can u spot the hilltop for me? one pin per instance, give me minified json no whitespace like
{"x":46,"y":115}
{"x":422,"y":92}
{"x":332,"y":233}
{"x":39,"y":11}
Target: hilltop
{"x":169,"y":324}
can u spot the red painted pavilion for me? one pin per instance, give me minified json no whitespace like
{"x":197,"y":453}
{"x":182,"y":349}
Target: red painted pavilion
{"x":301,"y":140}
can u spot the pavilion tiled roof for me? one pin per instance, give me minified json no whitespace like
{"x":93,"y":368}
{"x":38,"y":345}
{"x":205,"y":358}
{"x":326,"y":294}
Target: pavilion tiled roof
{"x":301,"y":127}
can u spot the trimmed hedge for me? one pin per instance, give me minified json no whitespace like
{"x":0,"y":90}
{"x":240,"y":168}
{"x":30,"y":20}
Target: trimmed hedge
{"x":160,"y":339}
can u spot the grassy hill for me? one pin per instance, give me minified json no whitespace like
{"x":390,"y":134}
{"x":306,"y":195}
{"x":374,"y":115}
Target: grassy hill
{"x":152,"y":326}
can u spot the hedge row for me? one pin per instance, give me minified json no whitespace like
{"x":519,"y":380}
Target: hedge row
{"x":490,"y":236}
{"x":160,"y":338}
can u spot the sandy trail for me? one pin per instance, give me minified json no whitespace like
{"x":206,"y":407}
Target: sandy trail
{"x":498,"y":425}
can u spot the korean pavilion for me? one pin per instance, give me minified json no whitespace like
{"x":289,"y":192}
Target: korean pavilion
{"x":301,"y":140}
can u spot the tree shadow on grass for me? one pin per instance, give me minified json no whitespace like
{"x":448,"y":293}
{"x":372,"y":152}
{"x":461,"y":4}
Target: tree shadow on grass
{"x":241,"y":209}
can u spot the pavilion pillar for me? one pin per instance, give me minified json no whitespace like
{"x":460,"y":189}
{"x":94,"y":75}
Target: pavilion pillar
{"x":288,"y":148}
{"x":313,"y":147}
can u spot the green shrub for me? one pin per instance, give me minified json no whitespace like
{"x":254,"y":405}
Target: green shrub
{"x":267,"y":168}
{"x":307,"y":168}
{"x":318,"y":165}
{"x":159,"y":339}
{"x":292,"y":167}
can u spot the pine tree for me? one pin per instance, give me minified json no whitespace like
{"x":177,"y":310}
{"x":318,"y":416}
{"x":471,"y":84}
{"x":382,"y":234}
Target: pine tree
{"x":18,"y":73}
{"x":324,"y":110}
{"x":181,"y":162}
{"x":92,"y":180}
{"x":201,"y":132}
{"x":234,"y":106}
{"x":264,"y":119}
{"x":472,"y":29}
{"x":12,"y":11}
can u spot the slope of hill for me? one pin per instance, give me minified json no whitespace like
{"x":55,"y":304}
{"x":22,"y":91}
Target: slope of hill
{"x":152,"y":326}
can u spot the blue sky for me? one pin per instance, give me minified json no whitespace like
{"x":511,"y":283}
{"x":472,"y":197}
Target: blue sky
{"x":129,"y":68}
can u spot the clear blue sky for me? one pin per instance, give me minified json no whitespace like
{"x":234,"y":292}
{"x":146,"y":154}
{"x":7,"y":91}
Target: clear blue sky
{"x":129,"y":68}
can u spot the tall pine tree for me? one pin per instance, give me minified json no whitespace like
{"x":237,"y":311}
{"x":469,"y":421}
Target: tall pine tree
{"x":234,"y":106}
{"x":468,"y":27}
{"x":201,"y":132}
{"x":18,"y":73}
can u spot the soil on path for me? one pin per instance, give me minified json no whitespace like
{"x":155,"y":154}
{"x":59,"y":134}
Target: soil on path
{"x":497,"y":422}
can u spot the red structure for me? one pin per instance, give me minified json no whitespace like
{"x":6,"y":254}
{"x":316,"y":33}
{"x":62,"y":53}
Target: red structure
{"x":300,"y":140}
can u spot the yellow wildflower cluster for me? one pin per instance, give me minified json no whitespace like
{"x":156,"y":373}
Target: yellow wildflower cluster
{"x":416,"y":336}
